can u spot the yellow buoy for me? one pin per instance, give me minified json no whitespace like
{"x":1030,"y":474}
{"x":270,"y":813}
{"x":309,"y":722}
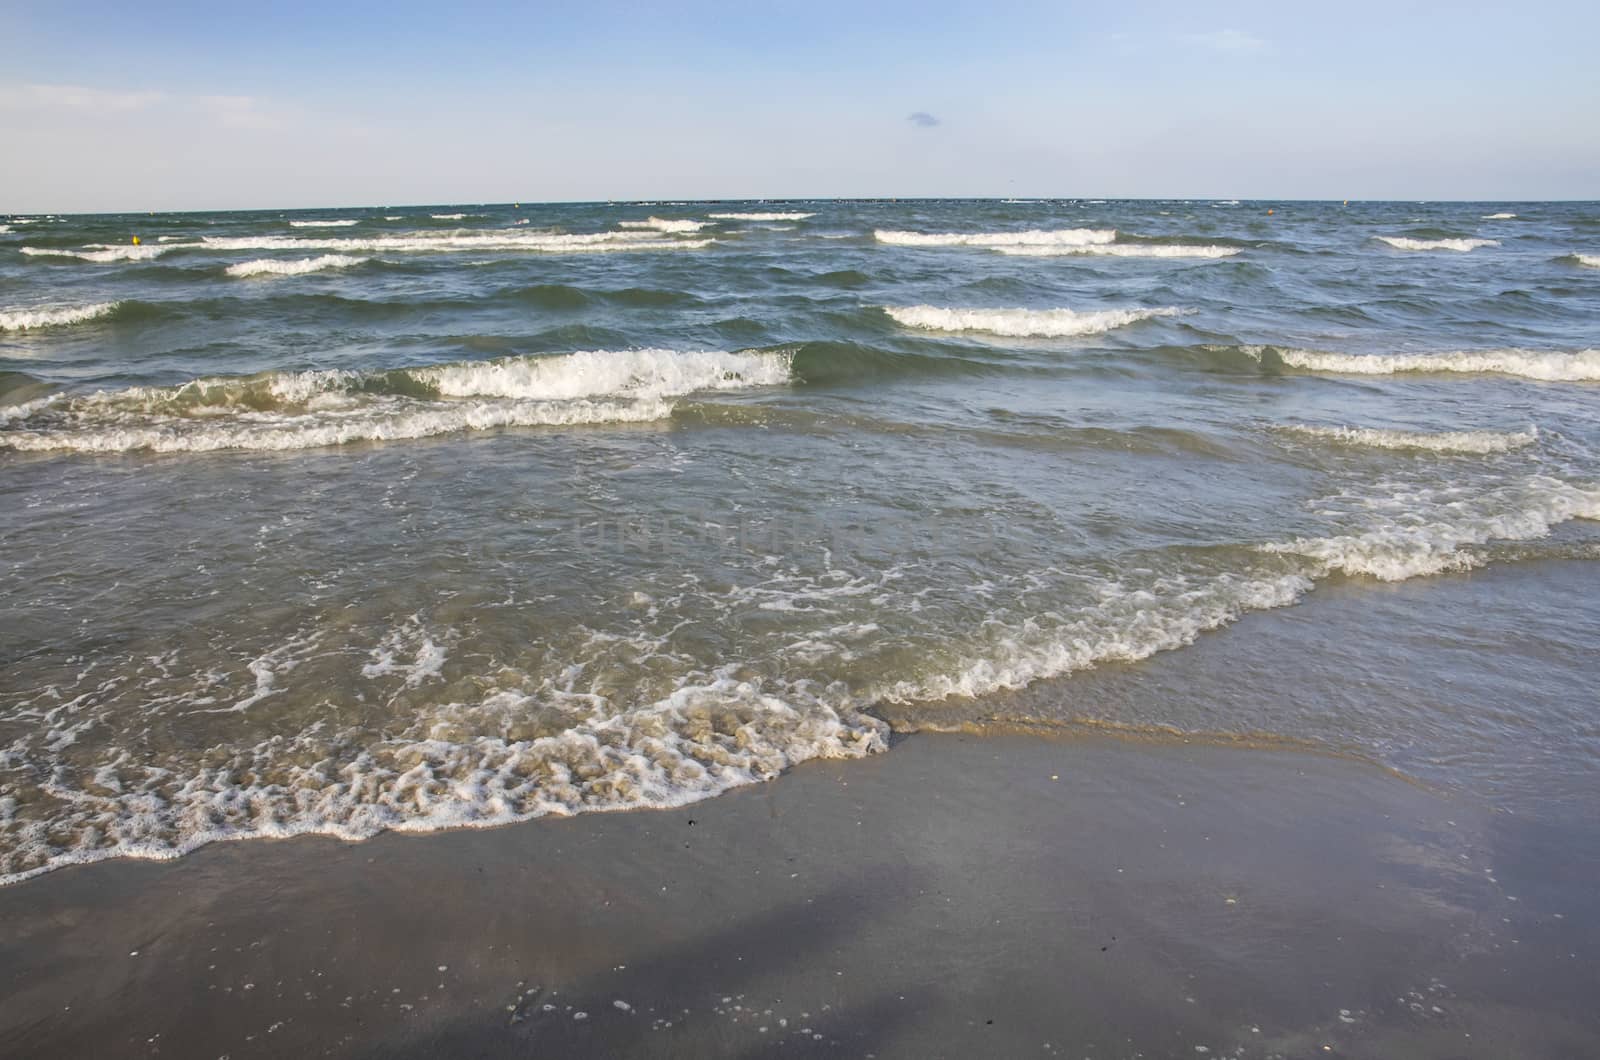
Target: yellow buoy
{"x":135,"y":240}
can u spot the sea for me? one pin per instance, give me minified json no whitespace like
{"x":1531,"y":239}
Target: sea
{"x":417,"y":518}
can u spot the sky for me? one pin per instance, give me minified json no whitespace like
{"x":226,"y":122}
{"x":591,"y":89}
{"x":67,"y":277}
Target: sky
{"x":112,"y":106}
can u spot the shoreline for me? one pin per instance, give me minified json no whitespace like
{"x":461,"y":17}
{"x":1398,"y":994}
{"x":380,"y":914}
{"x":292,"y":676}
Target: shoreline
{"x":1007,"y":894}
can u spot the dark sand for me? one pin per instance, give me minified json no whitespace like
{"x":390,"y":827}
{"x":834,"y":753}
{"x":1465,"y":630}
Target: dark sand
{"x":950,"y":898}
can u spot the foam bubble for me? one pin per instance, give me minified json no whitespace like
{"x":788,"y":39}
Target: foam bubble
{"x":1072,"y":237}
{"x":1460,"y":245}
{"x":49,"y":317}
{"x":1023,"y":323}
{"x":299,"y":267}
{"x":1480,"y":442}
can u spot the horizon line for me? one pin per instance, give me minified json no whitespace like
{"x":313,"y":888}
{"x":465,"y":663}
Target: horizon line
{"x":1011,"y":198}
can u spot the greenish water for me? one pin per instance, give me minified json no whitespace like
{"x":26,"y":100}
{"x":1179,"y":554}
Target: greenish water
{"x":420,"y":518}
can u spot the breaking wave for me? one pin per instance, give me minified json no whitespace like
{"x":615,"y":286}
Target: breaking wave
{"x":1461,"y":245}
{"x":1482,"y":442}
{"x":102,"y":252}
{"x":659,"y":224}
{"x":1063,"y":237}
{"x":27,"y":319}
{"x":1122,"y":250}
{"x":1023,"y":323}
{"x":775,"y":216}
{"x":299,"y":410}
{"x":277,"y":267}
{"x":343,"y":223}
{"x":1580,"y":366}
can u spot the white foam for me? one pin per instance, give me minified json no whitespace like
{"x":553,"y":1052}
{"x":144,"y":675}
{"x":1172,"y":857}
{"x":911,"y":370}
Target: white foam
{"x":342,"y":223}
{"x":49,"y":317}
{"x":1499,"y":216}
{"x":297,"y":267}
{"x":447,"y":216}
{"x":1125,"y":250}
{"x":5,"y":230}
{"x":102,"y":252}
{"x":1408,"y":534}
{"x":455,"y":241}
{"x":1480,"y":442}
{"x":1459,"y":245}
{"x":1418,"y":533}
{"x":1529,"y":364}
{"x":774,"y":216}
{"x":1063,"y":237}
{"x":301,"y":410}
{"x":1128,"y":623}
{"x":696,"y":742}
{"x":1591,"y":261}
{"x":1023,"y":323}
{"x":660,"y":224}
{"x":635,"y":373}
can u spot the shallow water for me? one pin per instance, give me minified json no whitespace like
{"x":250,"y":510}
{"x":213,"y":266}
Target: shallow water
{"x":429,"y":520}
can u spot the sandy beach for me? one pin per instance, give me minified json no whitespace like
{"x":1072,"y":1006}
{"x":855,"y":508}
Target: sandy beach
{"x":1001,"y":895}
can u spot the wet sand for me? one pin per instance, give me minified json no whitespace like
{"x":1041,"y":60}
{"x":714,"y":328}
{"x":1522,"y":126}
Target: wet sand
{"x":961,"y":895}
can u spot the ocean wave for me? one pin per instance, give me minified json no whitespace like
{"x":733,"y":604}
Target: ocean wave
{"x":774,"y":216}
{"x":1408,"y":534}
{"x":298,"y":267}
{"x":1418,"y":533}
{"x":1579,"y":366}
{"x":699,"y":741}
{"x":1590,"y":261}
{"x":661,"y":224}
{"x":449,"y":242}
{"x":50,"y":317}
{"x":1499,"y":216}
{"x":448,"y":216}
{"x":1062,"y":237}
{"x":1461,"y":245}
{"x":1124,"y":250}
{"x":341,"y":223}
{"x":1481,"y":442}
{"x":1023,"y":323}
{"x":102,"y":252}
{"x":300,"y":410}
{"x":5,"y":230}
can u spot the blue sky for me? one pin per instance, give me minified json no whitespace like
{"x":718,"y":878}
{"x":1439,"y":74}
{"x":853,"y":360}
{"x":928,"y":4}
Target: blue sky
{"x":118,"y":106}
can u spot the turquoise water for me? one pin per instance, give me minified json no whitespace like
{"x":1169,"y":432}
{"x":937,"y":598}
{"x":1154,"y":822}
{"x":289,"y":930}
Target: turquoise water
{"x":427,"y":517}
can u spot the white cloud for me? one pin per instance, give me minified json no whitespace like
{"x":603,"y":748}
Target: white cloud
{"x":76,"y":97}
{"x":1228,"y":40}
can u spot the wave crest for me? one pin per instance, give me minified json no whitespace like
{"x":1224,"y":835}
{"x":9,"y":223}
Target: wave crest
{"x":299,"y":410}
{"x":1062,"y":237}
{"x":1549,"y":366}
{"x":26,"y":319}
{"x":1459,"y":245}
{"x":298,"y":267}
{"x":1480,"y":442}
{"x":1023,"y":323}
